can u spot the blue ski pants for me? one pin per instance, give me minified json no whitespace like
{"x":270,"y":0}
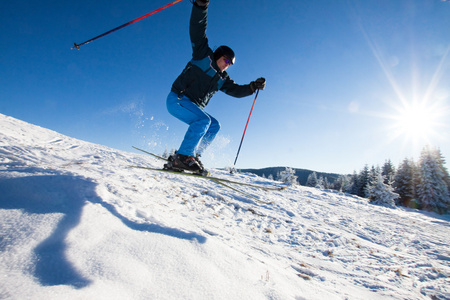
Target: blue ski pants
{"x":202,"y":126}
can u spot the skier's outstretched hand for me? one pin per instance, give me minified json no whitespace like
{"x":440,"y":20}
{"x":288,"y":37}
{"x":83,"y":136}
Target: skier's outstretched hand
{"x":202,"y":3}
{"x":258,"y":84}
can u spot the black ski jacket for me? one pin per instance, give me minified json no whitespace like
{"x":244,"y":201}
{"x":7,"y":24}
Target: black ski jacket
{"x":201,"y":78}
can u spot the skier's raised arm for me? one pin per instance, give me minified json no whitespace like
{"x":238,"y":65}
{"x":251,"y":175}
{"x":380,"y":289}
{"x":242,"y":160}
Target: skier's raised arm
{"x":197,"y":30}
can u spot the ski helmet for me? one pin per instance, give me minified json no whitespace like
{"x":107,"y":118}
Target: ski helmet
{"x":224,"y":51}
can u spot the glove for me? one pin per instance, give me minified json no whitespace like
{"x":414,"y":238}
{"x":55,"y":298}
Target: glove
{"x":202,"y":3}
{"x":258,"y":84}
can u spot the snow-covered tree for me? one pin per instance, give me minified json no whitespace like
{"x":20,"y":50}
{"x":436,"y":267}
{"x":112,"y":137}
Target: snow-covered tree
{"x":388,"y":171}
{"x":404,"y":182}
{"x":288,"y":176}
{"x":353,"y":186}
{"x":361,"y":181}
{"x":326,"y":183}
{"x":372,"y":179}
{"x":320,"y":183}
{"x":433,"y":189}
{"x":373,"y":173}
{"x":312,"y":180}
{"x":342,"y":183}
{"x":380,"y":193}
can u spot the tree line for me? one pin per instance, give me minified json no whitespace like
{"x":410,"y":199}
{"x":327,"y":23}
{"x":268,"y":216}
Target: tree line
{"x":424,"y":184}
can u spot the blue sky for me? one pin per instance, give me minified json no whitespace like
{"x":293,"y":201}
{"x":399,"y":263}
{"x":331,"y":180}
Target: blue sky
{"x":349,"y":83}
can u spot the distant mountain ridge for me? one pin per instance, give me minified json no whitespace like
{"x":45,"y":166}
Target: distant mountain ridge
{"x":302,"y":174}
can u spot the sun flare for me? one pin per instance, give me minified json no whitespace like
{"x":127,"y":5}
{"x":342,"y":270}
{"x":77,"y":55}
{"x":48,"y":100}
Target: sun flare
{"x":416,"y":122}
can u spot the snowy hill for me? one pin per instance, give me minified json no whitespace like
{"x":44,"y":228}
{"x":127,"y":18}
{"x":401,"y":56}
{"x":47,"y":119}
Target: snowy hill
{"x":76,"y":222}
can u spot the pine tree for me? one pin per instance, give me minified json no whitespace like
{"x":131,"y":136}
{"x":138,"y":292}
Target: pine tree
{"x":320,"y":183}
{"x":312,"y":180}
{"x":326,"y":183}
{"x":353,"y":185}
{"x":380,"y":193}
{"x":363,"y":180}
{"x":388,"y":171}
{"x":372,"y":179}
{"x":433,"y":189}
{"x":404,"y":182}
{"x":288,"y":176}
{"x":343,"y":184}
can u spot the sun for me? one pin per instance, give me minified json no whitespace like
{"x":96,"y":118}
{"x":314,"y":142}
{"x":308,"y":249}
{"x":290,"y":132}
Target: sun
{"x":417,"y":122}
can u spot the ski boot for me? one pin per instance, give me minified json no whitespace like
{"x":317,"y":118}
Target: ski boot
{"x":181,"y":163}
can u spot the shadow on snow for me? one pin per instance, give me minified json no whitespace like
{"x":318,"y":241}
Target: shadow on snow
{"x":64,"y":194}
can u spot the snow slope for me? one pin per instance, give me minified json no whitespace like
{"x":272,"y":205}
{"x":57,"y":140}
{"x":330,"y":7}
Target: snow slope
{"x":76,"y":222}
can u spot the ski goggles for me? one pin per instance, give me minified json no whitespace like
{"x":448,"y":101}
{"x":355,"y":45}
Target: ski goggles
{"x":227,"y":61}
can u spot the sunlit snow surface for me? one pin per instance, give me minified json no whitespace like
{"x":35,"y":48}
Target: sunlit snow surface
{"x":76,"y":222}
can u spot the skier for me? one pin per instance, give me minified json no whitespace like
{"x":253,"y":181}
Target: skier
{"x":202,"y":77}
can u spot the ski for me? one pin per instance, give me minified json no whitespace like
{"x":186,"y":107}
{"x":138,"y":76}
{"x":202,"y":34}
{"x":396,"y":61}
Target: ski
{"x":209,"y":177}
{"x":242,"y":192}
{"x":152,"y":154}
{"x":217,"y":180}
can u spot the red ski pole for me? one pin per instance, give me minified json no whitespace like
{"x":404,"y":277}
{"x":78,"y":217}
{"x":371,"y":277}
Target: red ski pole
{"x":77,"y":46}
{"x":245,"y":129}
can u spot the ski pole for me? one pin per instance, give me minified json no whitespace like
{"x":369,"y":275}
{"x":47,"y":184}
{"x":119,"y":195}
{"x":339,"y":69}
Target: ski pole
{"x":77,"y":46}
{"x":245,"y":129}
